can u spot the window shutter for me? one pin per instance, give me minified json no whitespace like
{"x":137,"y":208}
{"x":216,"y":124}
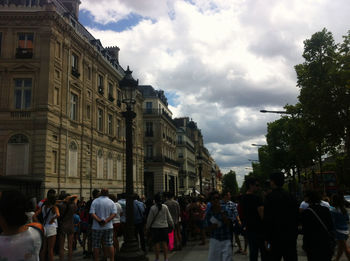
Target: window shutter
{"x":17,"y":162}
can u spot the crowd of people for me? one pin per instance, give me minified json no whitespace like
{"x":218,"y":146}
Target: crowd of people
{"x":269,"y":223}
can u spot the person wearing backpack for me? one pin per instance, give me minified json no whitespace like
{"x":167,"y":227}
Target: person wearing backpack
{"x":48,"y":215}
{"x":18,"y":240}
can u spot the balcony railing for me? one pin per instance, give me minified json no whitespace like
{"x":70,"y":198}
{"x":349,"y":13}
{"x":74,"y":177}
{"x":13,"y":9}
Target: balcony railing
{"x":24,"y":53}
{"x":20,"y":114}
{"x":162,"y":160}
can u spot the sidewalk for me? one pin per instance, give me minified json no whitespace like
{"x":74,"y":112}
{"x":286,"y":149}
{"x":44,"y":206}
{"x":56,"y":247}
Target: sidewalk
{"x":195,"y":252}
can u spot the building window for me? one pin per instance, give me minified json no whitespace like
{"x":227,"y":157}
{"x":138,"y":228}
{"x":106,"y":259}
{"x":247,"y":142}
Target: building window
{"x":179,"y":139}
{"x":23,"y":93}
{"x":17,"y":156}
{"x":149,"y":107}
{"x":58,"y":50}
{"x":73,"y":107}
{"x":0,"y":42}
{"x":88,"y":111}
{"x":100,"y":164}
{"x":110,"y":166}
{"x":100,"y":84}
{"x":119,"y":168}
{"x":75,"y":65}
{"x":25,"y":45}
{"x":110,"y":92}
{"x":149,"y":129}
{"x":73,"y":160}
{"x":182,"y":182}
{"x":119,"y":129}
{"x":54,"y":162}
{"x":100,"y":120}
{"x":110,"y":124}
{"x":89,"y":73}
{"x":134,"y":174}
{"x":56,"y":96}
{"x":119,"y":98}
{"x":149,"y":151}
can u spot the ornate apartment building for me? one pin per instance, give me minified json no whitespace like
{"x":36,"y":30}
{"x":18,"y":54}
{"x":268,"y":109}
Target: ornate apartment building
{"x":61,"y":125}
{"x":186,"y":155}
{"x":161,"y":168}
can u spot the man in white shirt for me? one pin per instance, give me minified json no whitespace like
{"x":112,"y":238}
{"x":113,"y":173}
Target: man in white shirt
{"x":103,"y":210}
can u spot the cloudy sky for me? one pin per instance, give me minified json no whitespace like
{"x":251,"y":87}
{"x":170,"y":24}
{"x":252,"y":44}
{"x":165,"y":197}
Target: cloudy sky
{"x":219,"y":61}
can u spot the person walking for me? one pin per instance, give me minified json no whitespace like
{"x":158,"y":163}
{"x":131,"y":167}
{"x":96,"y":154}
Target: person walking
{"x":139,"y":221}
{"x":103,"y":210}
{"x":340,"y":218}
{"x":174,"y":209}
{"x":280,"y":221}
{"x":232,"y":212}
{"x":253,"y":211}
{"x":218,"y":224}
{"x":159,"y":221}
{"x":317,"y":225}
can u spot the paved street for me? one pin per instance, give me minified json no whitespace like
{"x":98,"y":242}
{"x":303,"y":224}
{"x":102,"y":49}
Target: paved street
{"x":195,"y":252}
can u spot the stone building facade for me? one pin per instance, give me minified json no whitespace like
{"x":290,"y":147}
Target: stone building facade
{"x":61,"y":125}
{"x":161,"y":168}
{"x":186,"y":155}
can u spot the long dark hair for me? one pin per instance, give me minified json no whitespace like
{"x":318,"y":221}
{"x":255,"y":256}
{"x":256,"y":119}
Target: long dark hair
{"x":158,"y":200}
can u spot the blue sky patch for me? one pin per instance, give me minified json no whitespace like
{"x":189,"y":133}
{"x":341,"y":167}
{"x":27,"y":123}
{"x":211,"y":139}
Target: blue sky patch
{"x":87,"y":19}
{"x":172,"y":98}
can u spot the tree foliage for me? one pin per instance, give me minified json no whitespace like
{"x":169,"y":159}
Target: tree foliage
{"x":229,"y":182}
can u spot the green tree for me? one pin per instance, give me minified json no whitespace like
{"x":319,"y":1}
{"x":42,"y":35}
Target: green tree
{"x":229,"y":183}
{"x":320,"y":91}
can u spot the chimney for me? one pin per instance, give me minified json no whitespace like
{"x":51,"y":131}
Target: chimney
{"x":113,"y":51}
{"x":72,"y":6}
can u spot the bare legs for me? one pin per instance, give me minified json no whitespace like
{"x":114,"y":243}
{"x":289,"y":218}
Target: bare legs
{"x":157,"y":249}
{"x":342,"y":247}
{"x":47,"y":250}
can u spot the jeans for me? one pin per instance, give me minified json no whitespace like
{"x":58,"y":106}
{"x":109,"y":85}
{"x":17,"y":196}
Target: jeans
{"x":256,"y":242}
{"x":139,"y":231}
{"x":285,"y":248}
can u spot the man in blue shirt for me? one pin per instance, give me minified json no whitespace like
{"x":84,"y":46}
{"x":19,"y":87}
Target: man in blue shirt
{"x":139,"y":220}
{"x":218,"y":224}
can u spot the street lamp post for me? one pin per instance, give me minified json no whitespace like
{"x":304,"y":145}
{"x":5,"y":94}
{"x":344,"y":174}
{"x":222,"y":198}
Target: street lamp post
{"x":213,"y":174}
{"x":130,"y":250}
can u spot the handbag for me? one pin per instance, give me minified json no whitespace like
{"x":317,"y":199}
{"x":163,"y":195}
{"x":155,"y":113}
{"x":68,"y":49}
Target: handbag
{"x":332,"y":241}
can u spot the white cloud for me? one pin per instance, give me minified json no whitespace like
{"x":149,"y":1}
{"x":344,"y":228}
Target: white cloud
{"x":225,"y":60}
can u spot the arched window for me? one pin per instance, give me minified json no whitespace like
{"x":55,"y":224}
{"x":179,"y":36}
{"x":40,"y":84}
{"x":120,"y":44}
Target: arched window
{"x":110,"y":166}
{"x":119,"y":168}
{"x":99,"y":163}
{"x":73,"y":160}
{"x":17,"y":157}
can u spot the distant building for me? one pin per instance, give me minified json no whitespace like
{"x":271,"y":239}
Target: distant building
{"x":186,"y":155}
{"x":61,"y":125}
{"x":160,"y":167}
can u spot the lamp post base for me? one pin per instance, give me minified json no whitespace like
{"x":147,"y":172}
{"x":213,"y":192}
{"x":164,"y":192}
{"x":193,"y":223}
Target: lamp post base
{"x":130,"y":251}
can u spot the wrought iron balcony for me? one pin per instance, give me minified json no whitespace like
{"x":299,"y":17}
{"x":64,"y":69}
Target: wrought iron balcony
{"x":24,"y":53}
